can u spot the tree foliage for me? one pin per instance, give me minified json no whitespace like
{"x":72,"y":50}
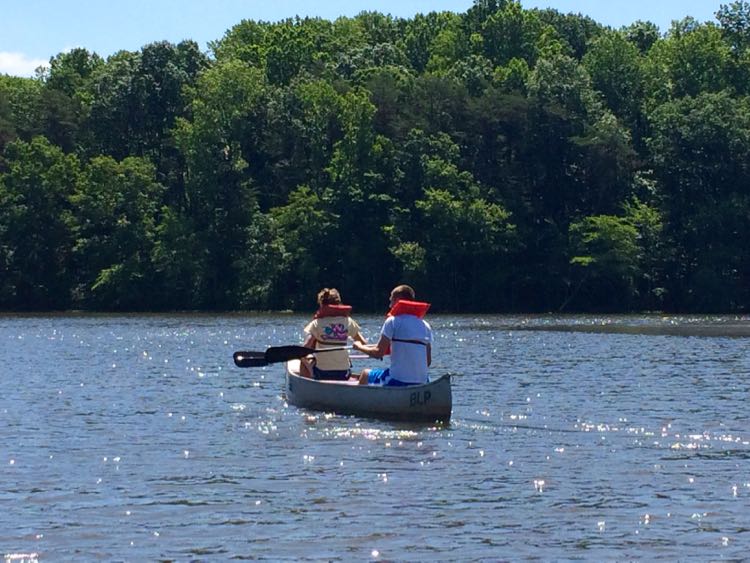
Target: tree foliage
{"x":501,"y":159}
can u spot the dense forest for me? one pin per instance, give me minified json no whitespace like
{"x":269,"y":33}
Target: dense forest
{"x":499,"y":160}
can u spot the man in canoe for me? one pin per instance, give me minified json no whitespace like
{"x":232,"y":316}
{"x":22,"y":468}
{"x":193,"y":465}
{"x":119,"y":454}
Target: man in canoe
{"x":408,"y":340}
{"x":331,"y":327}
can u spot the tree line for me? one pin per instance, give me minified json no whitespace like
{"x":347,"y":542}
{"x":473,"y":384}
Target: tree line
{"x":499,"y":160}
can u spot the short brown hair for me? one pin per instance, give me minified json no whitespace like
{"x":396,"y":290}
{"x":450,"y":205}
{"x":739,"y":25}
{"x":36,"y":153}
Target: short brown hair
{"x":403,"y":292}
{"x":329,"y":296}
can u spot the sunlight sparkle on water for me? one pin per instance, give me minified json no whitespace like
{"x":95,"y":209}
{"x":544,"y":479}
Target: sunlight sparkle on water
{"x":21,"y":558}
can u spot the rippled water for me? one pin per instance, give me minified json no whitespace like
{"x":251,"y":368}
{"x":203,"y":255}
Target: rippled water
{"x":135,"y":438}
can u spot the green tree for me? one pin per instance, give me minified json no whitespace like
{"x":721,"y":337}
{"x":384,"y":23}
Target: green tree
{"x":7,"y":127}
{"x":734,"y":19}
{"x":642,"y":34}
{"x":309,"y":234}
{"x":448,"y":46}
{"x":575,"y":30}
{"x":112,"y":123}
{"x":70,"y":72}
{"x":608,"y":166}
{"x":606,"y":262}
{"x":691,"y":60}
{"x":65,"y":98}
{"x":466,"y":242}
{"x":35,"y":233}
{"x":287,"y":140}
{"x":137,"y":98}
{"x":359,"y":63}
{"x":21,"y":100}
{"x":653,"y":246}
{"x":700,"y":151}
{"x":117,"y":205}
{"x":221,"y":203}
{"x":419,"y":37}
{"x":515,"y":33}
{"x":390,"y":90}
{"x":178,"y":260}
{"x":353,"y":195}
{"x":615,"y":67}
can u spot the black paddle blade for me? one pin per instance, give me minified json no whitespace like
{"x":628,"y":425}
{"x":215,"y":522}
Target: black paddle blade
{"x":250,"y":359}
{"x":277,"y":354}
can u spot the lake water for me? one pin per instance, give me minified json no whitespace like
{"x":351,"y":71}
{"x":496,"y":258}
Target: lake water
{"x":610,"y":438}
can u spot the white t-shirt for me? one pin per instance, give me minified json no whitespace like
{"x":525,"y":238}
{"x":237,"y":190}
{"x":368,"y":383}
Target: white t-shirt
{"x":332,"y":332}
{"x":408,"y":359}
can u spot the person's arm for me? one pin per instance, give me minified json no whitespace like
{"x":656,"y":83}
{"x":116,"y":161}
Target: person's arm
{"x":311,"y":330}
{"x":356,"y":332}
{"x":429,"y":354}
{"x":374,"y":350}
{"x":309,"y":341}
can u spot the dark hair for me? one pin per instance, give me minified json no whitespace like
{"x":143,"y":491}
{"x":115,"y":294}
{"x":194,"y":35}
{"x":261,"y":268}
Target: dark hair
{"x":403,"y":292}
{"x":329,"y":296}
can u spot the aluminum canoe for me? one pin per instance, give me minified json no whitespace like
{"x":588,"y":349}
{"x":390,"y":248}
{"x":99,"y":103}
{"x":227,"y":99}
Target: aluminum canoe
{"x":429,"y":402}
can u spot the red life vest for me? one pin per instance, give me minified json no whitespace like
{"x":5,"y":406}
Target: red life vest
{"x":333,"y":311}
{"x":406,"y":307}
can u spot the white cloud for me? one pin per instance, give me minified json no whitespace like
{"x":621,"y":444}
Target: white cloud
{"x":18,"y":64}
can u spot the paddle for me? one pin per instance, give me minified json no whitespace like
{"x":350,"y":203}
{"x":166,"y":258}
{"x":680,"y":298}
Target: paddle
{"x":276,"y":354}
{"x":249,"y":359}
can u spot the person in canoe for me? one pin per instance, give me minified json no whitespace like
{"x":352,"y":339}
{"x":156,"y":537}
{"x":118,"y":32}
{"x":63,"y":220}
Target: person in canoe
{"x":406,"y":337}
{"x":331,"y":327}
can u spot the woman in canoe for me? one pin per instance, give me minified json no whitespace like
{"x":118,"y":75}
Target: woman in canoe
{"x":332,"y":326}
{"x":406,"y":337}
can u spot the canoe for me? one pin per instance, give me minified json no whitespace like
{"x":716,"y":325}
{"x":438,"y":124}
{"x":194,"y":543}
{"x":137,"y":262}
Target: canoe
{"x":429,"y":402}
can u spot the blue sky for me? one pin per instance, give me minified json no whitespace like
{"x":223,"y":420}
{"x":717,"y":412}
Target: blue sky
{"x":32,"y":31}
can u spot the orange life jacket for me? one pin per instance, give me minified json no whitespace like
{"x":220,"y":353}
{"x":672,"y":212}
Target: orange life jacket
{"x":406,"y":307}
{"x":333,"y":311}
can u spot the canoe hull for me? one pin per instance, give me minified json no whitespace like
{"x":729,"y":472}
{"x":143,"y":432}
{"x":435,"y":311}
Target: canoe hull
{"x":430,"y":402}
